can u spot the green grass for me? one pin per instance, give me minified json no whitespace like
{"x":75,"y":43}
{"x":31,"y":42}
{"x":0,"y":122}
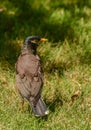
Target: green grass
{"x":66,"y":60}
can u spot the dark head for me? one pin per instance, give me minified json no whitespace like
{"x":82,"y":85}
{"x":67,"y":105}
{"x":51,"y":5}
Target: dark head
{"x":32,"y":42}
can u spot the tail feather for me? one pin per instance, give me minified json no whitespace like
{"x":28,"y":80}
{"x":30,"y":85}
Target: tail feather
{"x":40,"y":109}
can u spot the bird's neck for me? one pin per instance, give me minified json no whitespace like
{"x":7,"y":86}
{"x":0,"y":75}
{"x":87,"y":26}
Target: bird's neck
{"x":29,"y":49}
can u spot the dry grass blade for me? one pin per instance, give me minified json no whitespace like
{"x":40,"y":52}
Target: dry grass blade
{"x":75,"y":95}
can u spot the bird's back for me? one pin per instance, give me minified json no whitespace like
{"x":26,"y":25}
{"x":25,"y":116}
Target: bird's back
{"x":29,"y":72}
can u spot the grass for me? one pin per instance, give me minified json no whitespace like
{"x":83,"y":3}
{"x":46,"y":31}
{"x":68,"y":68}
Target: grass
{"x":66,"y":60}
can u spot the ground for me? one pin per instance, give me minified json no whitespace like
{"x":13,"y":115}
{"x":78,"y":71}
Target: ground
{"x":66,"y":61}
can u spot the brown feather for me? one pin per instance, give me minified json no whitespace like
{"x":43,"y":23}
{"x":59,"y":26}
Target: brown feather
{"x":29,"y":77}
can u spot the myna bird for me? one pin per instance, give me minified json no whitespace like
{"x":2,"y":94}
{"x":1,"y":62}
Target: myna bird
{"x":29,"y":75}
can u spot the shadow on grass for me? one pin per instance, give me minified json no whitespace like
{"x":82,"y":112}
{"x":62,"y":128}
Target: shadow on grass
{"x":29,"y":20}
{"x":54,"y":104}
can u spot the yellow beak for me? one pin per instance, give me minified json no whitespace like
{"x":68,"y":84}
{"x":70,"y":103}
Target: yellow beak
{"x":43,"y":40}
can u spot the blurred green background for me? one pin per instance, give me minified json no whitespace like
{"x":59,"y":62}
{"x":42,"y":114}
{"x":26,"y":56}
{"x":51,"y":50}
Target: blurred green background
{"x":66,"y":60}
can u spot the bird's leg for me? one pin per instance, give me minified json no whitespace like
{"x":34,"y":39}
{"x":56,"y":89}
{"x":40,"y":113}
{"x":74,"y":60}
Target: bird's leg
{"x":21,"y":104}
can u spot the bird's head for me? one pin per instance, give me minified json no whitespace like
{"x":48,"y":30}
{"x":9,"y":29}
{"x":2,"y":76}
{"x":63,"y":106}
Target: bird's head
{"x":34,"y":40}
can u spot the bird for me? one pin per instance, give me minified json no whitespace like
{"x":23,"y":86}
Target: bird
{"x":29,"y":76}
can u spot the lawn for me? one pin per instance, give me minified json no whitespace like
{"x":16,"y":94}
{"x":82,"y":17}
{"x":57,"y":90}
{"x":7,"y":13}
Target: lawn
{"x":66,"y":61}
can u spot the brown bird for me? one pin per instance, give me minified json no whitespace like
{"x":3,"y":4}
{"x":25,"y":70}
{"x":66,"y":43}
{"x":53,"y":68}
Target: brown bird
{"x":29,"y":75}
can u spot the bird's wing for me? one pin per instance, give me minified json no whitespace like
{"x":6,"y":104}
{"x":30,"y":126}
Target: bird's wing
{"x":29,"y":75}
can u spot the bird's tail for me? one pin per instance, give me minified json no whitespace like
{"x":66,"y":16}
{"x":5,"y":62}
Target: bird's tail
{"x":40,"y":109}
